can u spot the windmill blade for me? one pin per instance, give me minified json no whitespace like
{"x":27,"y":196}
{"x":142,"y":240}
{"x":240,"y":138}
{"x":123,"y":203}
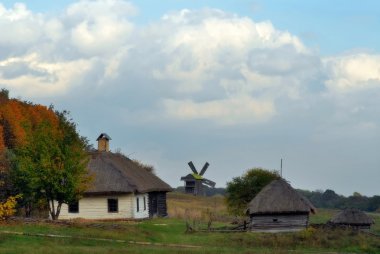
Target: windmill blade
{"x":204,"y":169}
{"x":191,"y":165}
{"x":208,"y":182}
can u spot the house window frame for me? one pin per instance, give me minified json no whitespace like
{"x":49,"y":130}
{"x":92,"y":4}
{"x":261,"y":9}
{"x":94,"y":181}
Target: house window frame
{"x":113,"y":208}
{"x":144,"y":199}
{"x":137,"y":204}
{"x":72,"y":205}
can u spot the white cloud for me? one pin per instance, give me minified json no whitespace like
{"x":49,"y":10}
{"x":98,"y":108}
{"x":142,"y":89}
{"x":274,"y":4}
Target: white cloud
{"x":41,"y":78}
{"x":19,"y":27}
{"x":228,"y":111}
{"x":98,"y":27}
{"x":260,"y":87}
{"x":46,"y":56}
{"x":202,"y":44}
{"x":353,"y":72}
{"x":206,"y":64}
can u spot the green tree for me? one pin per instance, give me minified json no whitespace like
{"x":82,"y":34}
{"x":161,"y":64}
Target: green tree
{"x":52,"y":165}
{"x":374,"y":204}
{"x":4,"y":95}
{"x":241,"y":190}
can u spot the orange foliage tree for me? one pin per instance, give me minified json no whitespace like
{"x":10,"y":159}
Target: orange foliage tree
{"x":47,"y":155}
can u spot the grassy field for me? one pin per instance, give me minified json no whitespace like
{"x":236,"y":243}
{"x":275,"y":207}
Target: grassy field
{"x":164,"y":232}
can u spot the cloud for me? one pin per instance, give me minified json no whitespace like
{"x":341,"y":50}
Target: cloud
{"x":189,"y":65}
{"x":29,"y":75}
{"x":20,"y":29}
{"x":44,"y":56}
{"x":350,"y":73}
{"x":227,"y":111}
{"x":98,"y":27}
{"x":204,"y":44}
{"x":215,"y":84}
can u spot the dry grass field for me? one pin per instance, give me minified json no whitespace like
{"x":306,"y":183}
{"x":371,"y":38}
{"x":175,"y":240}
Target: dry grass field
{"x":184,"y":206}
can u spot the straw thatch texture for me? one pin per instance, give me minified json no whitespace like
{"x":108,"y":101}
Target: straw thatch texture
{"x":115,"y":173}
{"x":279,"y":197}
{"x":352,"y":217}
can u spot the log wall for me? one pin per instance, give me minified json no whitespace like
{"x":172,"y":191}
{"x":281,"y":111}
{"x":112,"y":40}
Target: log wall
{"x":279,"y":222}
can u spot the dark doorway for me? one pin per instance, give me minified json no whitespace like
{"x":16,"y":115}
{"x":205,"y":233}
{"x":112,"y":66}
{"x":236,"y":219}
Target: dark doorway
{"x":153,"y":206}
{"x":157,"y":204}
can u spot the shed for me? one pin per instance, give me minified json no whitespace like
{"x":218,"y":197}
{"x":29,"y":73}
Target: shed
{"x":278,"y":207}
{"x":354,"y":218}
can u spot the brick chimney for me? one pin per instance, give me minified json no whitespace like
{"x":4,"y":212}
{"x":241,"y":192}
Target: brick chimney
{"x":103,"y":142}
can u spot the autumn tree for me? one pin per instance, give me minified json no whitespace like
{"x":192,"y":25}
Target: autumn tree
{"x":241,"y":190}
{"x":52,"y":165}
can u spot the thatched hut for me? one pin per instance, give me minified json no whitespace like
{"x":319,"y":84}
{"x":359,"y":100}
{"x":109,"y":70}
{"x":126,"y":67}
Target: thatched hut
{"x":278,"y":207}
{"x":353,"y":218}
{"x":122,"y":189}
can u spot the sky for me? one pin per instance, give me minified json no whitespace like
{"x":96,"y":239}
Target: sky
{"x":240,"y":84}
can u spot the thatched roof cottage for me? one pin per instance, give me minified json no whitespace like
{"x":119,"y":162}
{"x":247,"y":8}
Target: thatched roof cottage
{"x":354,"y":218}
{"x":122,"y":188}
{"x":278,"y":207}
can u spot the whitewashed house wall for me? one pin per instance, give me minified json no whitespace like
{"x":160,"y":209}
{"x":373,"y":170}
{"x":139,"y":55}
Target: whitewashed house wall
{"x":97,"y":208}
{"x":143,"y":211}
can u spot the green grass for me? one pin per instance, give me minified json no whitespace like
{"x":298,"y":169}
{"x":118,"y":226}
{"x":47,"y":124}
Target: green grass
{"x":172,"y":231}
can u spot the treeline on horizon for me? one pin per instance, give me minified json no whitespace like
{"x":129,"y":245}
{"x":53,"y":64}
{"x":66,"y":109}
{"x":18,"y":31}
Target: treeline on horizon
{"x":332,"y":200}
{"x":321,"y":199}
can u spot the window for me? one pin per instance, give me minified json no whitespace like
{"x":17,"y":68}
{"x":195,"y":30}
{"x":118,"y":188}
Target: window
{"x":144,"y":204}
{"x":137,"y":205}
{"x":113,"y":205}
{"x":74,"y":207}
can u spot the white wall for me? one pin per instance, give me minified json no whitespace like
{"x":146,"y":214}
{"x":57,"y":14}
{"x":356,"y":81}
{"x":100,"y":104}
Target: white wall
{"x":142,"y":213}
{"x":97,"y":208}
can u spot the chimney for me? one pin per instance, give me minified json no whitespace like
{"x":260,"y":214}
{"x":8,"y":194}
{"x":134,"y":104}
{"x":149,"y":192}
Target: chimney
{"x":103,"y":142}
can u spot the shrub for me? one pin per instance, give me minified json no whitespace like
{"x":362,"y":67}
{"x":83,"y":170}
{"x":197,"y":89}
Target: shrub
{"x":7,"y":208}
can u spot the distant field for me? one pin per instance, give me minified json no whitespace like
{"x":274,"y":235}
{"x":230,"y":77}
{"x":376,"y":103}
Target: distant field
{"x":172,"y":231}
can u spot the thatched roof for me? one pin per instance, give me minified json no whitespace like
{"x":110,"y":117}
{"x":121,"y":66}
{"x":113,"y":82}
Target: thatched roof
{"x":279,"y":197}
{"x":352,"y":216}
{"x":115,"y":173}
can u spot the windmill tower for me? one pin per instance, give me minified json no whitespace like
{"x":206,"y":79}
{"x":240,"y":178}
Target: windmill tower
{"x":195,"y":183}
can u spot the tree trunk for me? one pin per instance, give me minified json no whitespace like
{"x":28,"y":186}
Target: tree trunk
{"x":54,"y":211}
{"x":28,"y":209}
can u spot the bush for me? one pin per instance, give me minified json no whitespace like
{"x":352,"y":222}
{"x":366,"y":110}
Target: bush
{"x":7,"y":208}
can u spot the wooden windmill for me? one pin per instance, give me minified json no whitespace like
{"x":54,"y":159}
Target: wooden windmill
{"x":195,"y":182}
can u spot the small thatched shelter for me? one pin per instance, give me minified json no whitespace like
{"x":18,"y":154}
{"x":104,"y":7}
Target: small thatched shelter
{"x":278,"y":207}
{"x":354,"y":218}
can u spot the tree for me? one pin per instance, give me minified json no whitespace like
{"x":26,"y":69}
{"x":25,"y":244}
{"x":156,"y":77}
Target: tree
{"x":4,"y":95}
{"x":241,"y":190}
{"x":52,"y":165}
{"x":374,"y":204}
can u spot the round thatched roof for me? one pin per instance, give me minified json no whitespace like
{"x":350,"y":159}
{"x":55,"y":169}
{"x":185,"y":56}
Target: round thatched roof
{"x":279,"y":197}
{"x":352,"y":216}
